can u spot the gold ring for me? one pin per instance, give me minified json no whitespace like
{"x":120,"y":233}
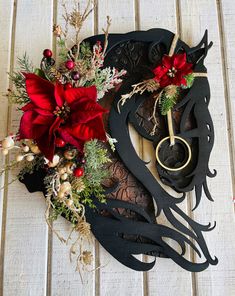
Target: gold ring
{"x":184,"y":165}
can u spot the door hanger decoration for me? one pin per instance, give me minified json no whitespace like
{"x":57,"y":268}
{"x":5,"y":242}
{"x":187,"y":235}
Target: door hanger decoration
{"x":74,"y":144}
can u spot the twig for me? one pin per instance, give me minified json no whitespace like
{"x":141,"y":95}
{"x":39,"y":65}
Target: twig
{"x":106,"y":34}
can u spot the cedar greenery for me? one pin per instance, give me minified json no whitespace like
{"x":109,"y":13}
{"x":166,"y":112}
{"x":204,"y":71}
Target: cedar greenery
{"x":95,"y":172}
{"x":18,"y":94}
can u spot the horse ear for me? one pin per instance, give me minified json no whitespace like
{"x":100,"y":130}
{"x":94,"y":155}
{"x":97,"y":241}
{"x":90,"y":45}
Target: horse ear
{"x":197,"y":54}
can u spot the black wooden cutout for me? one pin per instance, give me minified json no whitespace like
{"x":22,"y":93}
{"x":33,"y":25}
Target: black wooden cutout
{"x":124,"y":236}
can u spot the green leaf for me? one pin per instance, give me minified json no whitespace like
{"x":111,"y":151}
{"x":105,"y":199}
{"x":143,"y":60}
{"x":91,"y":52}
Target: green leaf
{"x":40,"y":73}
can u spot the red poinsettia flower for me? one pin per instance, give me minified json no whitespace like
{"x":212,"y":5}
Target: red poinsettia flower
{"x":73,"y":115}
{"x":173,"y":70}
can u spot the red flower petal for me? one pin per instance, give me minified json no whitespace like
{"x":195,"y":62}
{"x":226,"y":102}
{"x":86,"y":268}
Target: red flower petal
{"x":179,"y":60}
{"x":184,"y":81}
{"x":47,"y":146}
{"x":40,"y":91}
{"x":70,"y":139}
{"x":55,"y":125}
{"x":165,"y":81}
{"x":29,"y":106}
{"x":167,"y":61}
{"x":43,"y":120}
{"x":59,"y":94}
{"x":39,"y":131}
{"x":26,"y":131}
{"x":44,"y":112}
{"x":93,"y":129}
{"x":46,"y":142}
{"x":159,"y":72}
{"x":74,"y":94}
{"x":178,"y":80}
{"x":186,"y":70}
{"x":85,"y":110}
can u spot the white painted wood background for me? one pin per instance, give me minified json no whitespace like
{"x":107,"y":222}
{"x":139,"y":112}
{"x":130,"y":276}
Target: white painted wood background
{"x":32,"y":261}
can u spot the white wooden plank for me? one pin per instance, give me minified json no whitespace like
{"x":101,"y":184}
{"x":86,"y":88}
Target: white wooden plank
{"x":6,"y":18}
{"x":226,"y":13}
{"x":163,"y":279}
{"x":64,"y":279}
{"x":25,"y":264}
{"x":216,"y":280}
{"x":116,"y":279}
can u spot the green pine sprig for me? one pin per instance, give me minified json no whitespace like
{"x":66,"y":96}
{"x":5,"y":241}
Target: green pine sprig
{"x":168,"y":98}
{"x":18,"y":95}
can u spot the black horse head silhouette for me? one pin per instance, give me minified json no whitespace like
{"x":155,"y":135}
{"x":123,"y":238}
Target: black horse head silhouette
{"x":128,"y":228}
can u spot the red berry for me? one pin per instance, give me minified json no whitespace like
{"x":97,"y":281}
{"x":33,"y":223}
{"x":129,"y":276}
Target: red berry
{"x":69,"y":64}
{"x":47,"y":53}
{"x":59,"y":142}
{"x":68,"y":86}
{"x":75,"y":75}
{"x":78,"y":172}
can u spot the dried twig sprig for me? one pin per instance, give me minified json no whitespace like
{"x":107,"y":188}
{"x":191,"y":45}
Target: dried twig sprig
{"x":154,"y":114}
{"x":57,"y":30}
{"x":149,"y":85}
{"x":84,"y":228}
{"x":75,"y":19}
{"x":166,"y":99}
{"x":106,"y":34}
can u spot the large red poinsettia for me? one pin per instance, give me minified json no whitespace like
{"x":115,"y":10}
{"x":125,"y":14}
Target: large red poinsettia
{"x":173,"y":70}
{"x":72,"y":114}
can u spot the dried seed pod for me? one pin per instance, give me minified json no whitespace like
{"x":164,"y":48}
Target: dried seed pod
{"x":5,"y":151}
{"x":55,"y":161}
{"x":69,"y":168}
{"x":25,"y":148}
{"x":35,"y":149}
{"x":65,"y":187}
{"x":69,"y":202}
{"x":70,"y":154}
{"x":62,"y":170}
{"x":19,"y":157}
{"x":64,"y":176}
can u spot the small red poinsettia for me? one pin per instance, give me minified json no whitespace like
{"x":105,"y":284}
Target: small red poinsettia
{"x":72,"y":114}
{"x":173,"y":70}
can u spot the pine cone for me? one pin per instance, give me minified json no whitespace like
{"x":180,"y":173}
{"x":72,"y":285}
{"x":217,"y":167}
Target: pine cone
{"x":171,"y":91}
{"x":78,"y":185}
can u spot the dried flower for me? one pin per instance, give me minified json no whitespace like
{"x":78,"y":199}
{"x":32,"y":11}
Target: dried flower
{"x":84,"y":228}
{"x":86,"y":258}
{"x":57,"y":30}
{"x":75,"y":19}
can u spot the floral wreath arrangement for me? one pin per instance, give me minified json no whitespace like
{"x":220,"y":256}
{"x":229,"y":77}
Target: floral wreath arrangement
{"x":61,"y":129}
{"x":62,"y":134}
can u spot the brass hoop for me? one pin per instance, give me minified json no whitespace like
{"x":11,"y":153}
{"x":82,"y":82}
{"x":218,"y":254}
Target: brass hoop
{"x":174,"y":169}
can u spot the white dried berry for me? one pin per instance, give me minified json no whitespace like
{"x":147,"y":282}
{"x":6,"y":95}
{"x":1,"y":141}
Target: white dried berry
{"x":30,"y":158}
{"x":64,"y":176}
{"x":8,"y":143}
{"x":19,"y":157}
{"x":25,"y":149}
